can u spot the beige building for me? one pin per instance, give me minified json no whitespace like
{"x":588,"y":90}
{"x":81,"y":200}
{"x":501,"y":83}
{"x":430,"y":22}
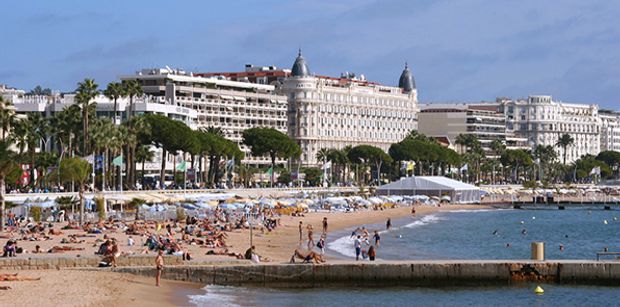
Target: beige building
{"x":230,"y":105}
{"x":543,"y":121}
{"x":327,"y":112}
{"x":610,"y":130}
{"x":452,"y":120}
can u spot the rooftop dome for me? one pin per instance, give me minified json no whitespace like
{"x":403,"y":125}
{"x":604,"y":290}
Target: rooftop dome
{"x":300,"y":68}
{"x":406,"y":81}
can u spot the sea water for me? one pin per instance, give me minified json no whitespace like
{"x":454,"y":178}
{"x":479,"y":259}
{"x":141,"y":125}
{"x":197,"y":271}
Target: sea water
{"x":522,"y":295}
{"x":493,"y":234}
{"x":465,"y":234}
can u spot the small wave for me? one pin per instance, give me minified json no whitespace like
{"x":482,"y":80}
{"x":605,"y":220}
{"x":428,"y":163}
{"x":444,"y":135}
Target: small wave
{"x":425,"y":220}
{"x":346,"y":245}
{"x":476,"y":210}
{"x":216,"y":296}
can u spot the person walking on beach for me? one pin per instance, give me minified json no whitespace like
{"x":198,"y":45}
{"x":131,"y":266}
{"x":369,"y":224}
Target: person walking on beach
{"x":377,"y":238}
{"x":301,"y":238}
{"x":325,"y":226}
{"x":358,"y":247}
{"x":388,"y":224}
{"x":310,"y":239}
{"x":159,"y":265}
{"x":372,"y":253}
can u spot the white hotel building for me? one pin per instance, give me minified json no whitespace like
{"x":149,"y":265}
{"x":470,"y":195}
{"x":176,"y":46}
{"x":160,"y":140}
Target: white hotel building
{"x":230,"y":105}
{"x":327,"y":112}
{"x":542,"y":121}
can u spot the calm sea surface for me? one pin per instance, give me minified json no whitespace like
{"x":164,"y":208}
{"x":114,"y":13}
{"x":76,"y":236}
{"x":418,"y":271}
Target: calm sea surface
{"x":494,"y":234}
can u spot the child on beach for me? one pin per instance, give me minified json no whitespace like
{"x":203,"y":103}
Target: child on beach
{"x":159,"y":265}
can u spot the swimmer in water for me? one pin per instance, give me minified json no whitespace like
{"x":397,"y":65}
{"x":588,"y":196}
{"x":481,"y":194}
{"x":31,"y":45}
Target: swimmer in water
{"x":495,"y":232}
{"x":561,"y":247}
{"x":507,"y":245}
{"x":524,"y":231}
{"x":565,"y":236}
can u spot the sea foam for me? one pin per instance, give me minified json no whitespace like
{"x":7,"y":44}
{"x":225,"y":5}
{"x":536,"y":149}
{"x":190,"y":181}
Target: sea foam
{"x":346,"y":245}
{"x":216,"y":296}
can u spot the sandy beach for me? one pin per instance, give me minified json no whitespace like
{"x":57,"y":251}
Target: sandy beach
{"x":103,"y":288}
{"x":89,"y":288}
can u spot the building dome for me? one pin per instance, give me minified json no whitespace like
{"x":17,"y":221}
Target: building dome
{"x":300,"y":68}
{"x":406,"y":81}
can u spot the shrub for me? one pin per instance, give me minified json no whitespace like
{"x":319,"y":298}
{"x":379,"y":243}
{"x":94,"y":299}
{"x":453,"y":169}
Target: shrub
{"x":35,"y":212}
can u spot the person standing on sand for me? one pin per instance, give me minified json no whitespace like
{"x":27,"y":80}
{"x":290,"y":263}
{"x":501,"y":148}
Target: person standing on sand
{"x":159,"y":265}
{"x":358,"y":247}
{"x":301,"y":238}
{"x":325,"y":226}
{"x":310,"y":239}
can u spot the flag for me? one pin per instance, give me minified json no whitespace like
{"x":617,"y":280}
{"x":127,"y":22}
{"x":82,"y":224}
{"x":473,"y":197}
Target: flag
{"x":182,"y":166}
{"x":90,"y":159}
{"x":596,"y":171}
{"x":327,"y":165}
{"x":118,"y":161}
{"x":464,"y":168}
{"x":230,"y":163}
{"x":410,"y":166}
{"x":270,"y":171}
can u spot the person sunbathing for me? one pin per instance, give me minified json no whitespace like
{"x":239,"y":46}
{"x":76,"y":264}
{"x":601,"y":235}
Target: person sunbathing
{"x":14,"y":277}
{"x":307,"y":258}
{"x":61,"y":249}
{"x":54,"y":232}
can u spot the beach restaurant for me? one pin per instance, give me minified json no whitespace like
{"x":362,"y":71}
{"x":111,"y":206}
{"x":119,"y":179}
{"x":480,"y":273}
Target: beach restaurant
{"x":438,"y":186}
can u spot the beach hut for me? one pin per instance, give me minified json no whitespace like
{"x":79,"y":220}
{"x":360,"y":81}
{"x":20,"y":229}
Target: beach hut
{"x":459,"y":192}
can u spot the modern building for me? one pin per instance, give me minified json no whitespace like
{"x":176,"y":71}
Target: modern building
{"x":610,"y":130}
{"x":543,"y":121}
{"x":452,"y":120}
{"x":232,"y":106}
{"x":328,"y":112}
{"x":48,"y":105}
{"x":253,"y":74}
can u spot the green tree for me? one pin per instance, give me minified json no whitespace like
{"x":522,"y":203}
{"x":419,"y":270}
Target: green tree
{"x":8,"y":166}
{"x":144,"y":154}
{"x":85,"y":93}
{"x":313,"y":175}
{"x":271,"y":142}
{"x":564,"y":142}
{"x":371,"y":155}
{"x":612,"y":159}
{"x":114,"y":91}
{"x":7,"y":116}
{"x":76,"y":170}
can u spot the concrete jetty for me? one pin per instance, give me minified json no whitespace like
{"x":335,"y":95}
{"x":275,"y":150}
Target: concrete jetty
{"x":392,"y":273}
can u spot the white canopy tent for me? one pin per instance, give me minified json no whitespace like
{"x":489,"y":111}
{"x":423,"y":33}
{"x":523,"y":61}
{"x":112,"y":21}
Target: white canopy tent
{"x":459,"y":192}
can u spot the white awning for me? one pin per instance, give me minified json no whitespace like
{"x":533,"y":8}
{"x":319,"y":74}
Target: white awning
{"x":240,"y":98}
{"x":226,"y":97}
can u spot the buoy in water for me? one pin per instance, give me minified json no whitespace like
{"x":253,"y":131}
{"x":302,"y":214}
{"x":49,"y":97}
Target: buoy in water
{"x":522,"y":222}
{"x":533,"y":217}
{"x":539,"y":290}
{"x":615,"y":218}
{"x":605,"y":222}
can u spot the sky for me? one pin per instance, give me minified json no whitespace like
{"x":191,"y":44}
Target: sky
{"x":458,"y":50}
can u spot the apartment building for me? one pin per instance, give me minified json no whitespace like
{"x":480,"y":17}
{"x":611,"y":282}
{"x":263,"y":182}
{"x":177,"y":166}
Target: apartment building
{"x":452,"y":120}
{"x":232,"y":106}
{"x":333,"y":112}
{"x":543,"y":121}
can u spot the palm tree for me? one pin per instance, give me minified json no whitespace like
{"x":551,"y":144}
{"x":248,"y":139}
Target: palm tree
{"x":144,"y":154}
{"x":114,"y":91}
{"x":135,"y":127}
{"x":7,"y":166}
{"x":564,"y":141}
{"x":86,"y":91}
{"x":131,"y":89}
{"x":322,"y":155}
{"x":7,"y":116}
{"x":76,"y":170}
{"x":101,"y":136}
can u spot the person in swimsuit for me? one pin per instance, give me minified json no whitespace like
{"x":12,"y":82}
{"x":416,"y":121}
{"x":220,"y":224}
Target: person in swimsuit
{"x":159,"y":265}
{"x":377,"y":238}
{"x":388,"y":224}
{"x":325,"y":225}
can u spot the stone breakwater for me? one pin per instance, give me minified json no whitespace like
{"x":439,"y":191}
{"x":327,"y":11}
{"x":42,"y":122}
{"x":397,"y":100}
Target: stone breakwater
{"x":416,"y":273}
